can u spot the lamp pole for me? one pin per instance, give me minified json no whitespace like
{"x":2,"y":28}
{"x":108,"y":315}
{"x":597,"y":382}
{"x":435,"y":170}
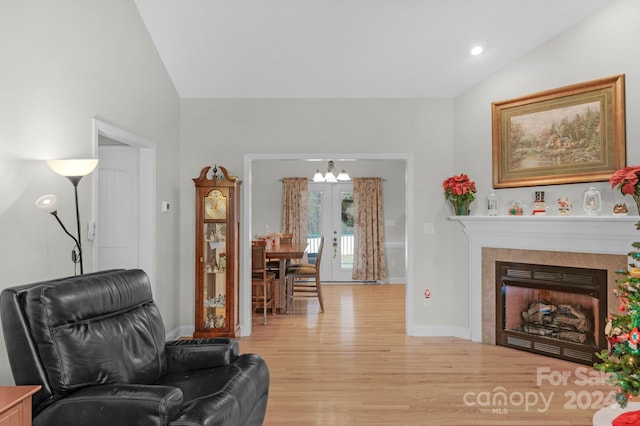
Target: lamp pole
{"x":75,"y":180}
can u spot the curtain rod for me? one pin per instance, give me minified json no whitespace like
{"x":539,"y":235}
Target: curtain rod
{"x":311,"y":180}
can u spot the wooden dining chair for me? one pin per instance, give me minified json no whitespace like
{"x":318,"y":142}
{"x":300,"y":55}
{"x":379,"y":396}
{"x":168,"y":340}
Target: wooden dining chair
{"x":303,"y":280}
{"x":262,"y":281}
{"x":274,"y":265}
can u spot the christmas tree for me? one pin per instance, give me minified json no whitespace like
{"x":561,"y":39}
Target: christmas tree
{"x":622,"y":357}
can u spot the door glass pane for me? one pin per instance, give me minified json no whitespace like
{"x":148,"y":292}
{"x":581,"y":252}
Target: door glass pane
{"x":315,"y":224}
{"x":346,"y":237}
{"x":215,"y":281}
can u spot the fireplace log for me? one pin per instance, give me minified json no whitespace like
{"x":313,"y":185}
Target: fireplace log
{"x":537,"y":330}
{"x":578,"y":319}
{"x":577,"y":324}
{"x":573,"y":336}
{"x":537,"y":311}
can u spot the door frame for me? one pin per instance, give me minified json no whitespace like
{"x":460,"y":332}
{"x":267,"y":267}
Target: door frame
{"x":245,"y":255}
{"x":146,"y":190}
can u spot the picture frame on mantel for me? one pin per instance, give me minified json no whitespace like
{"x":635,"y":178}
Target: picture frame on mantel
{"x":571,"y":134}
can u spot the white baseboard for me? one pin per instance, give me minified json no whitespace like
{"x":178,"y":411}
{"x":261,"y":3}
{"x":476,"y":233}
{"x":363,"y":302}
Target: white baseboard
{"x":439,"y":331}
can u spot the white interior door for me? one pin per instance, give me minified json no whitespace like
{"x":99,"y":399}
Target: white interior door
{"x":118,"y":223}
{"x":331,"y":215}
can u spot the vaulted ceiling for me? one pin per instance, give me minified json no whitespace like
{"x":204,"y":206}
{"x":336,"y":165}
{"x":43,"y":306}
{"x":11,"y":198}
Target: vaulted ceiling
{"x":347,"y":48}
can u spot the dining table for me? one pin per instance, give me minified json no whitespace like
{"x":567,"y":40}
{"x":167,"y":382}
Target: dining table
{"x":284,"y":253}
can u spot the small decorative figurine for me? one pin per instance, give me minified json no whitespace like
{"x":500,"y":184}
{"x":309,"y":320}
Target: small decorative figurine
{"x":492,"y":204}
{"x":592,"y":202}
{"x":564,"y":206}
{"x":222,"y":262}
{"x":539,"y":206}
{"x":620,"y":209}
{"x":516,"y":209}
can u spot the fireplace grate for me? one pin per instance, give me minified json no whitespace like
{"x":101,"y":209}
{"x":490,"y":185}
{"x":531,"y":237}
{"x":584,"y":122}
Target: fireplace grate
{"x":547,"y":276}
{"x":578,"y":279}
{"x":518,"y":273}
{"x":546,"y":348}
{"x":550,"y":349}
{"x":585,"y":356}
{"x":522,"y":343}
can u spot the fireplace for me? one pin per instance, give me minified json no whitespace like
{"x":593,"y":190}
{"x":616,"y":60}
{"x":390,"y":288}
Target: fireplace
{"x":551,"y":310}
{"x":600,"y":242}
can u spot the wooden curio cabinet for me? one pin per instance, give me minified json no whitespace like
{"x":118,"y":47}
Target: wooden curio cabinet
{"x":217,"y":253}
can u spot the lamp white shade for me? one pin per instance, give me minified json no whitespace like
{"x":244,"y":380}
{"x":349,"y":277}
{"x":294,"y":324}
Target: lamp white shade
{"x":48,"y":203}
{"x":343,"y":176}
{"x":330,"y":177}
{"x":73,"y":167}
{"x":318,"y":176}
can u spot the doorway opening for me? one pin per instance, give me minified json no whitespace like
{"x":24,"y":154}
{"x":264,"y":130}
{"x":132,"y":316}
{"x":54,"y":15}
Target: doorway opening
{"x":141,"y":156}
{"x":259,"y":171}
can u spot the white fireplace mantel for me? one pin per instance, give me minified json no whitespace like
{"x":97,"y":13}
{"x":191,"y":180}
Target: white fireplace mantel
{"x":580,"y":234}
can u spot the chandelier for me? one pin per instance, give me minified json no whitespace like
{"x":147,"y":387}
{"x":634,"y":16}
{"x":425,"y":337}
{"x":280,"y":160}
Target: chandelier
{"x":331,"y":176}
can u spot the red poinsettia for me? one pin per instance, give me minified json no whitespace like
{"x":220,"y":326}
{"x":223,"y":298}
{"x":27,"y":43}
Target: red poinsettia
{"x":626,"y":180}
{"x":459,"y":188}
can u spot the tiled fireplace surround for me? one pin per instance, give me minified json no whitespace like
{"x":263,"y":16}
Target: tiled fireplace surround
{"x":600,"y":242}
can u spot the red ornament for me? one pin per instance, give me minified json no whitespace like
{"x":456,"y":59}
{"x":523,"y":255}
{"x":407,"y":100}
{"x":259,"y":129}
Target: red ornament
{"x":629,"y":418}
{"x":621,"y":308}
{"x":634,"y":336}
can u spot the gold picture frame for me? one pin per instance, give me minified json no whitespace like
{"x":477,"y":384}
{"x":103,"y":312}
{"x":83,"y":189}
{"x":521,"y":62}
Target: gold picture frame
{"x":570,"y":134}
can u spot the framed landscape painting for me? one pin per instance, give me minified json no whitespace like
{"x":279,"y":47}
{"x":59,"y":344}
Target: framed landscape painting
{"x":567,"y":135}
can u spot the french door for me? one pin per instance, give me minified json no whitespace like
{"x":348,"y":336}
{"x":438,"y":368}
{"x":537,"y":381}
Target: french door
{"x":331,"y":215}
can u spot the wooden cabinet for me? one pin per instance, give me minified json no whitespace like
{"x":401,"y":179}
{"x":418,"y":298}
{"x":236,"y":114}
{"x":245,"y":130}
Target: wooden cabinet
{"x":15,"y":405}
{"x":217,"y":272}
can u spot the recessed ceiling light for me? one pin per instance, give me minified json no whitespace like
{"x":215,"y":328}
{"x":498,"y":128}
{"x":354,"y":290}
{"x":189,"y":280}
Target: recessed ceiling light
{"x":477,"y":50}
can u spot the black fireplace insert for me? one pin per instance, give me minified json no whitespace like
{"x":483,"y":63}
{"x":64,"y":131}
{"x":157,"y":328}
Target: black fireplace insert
{"x":551,"y":310}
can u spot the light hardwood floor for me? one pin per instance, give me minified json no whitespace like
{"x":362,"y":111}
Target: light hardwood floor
{"x":354,"y":365}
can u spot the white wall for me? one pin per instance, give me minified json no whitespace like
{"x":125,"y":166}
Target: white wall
{"x":602,"y":46}
{"x":222,"y":131}
{"x":63,"y":63}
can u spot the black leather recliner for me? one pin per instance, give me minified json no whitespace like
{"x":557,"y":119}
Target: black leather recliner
{"x":96,"y":344}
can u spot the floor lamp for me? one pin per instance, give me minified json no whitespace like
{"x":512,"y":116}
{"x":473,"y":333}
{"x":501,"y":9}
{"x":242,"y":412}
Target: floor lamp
{"x":74,"y":170}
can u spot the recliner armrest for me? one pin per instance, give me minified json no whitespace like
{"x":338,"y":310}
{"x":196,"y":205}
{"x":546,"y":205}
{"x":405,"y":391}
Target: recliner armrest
{"x":114,"y":404}
{"x":196,"y":354}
